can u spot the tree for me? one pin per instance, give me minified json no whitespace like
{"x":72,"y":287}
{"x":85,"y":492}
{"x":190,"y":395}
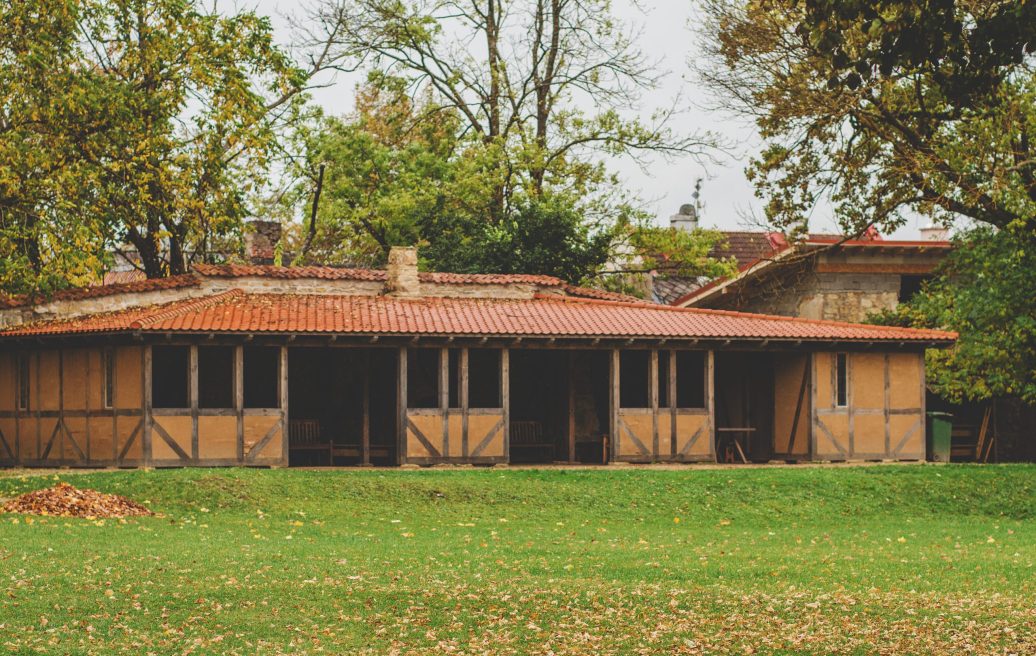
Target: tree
{"x":147,"y":122}
{"x":53,"y":120}
{"x":516,"y":74}
{"x":895,"y":108}
{"x":986,"y":293}
{"x":512,"y":79}
{"x":886,"y":108}
{"x":402,"y":170}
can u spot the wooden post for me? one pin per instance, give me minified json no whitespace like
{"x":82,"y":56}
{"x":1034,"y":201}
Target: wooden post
{"x":710,"y":399}
{"x":192,"y":385}
{"x":148,"y":415}
{"x":886,"y":413}
{"x":505,"y":394}
{"x":849,"y":404}
{"x":463,"y":394}
{"x":365,"y":431}
{"x":671,"y":401}
{"x":401,"y":404}
{"x":145,"y":363}
{"x":653,"y":399}
{"x":814,"y":415}
{"x":239,"y":399}
{"x":924,"y":414}
{"x":285,"y":410}
{"x":61,"y":427}
{"x":34,"y":403}
{"x":613,"y":424}
{"x":444,"y":399}
{"x":571,"y":406}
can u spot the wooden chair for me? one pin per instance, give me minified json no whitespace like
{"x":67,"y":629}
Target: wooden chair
{"x":304,"y":437}
{"x":528,"y":435}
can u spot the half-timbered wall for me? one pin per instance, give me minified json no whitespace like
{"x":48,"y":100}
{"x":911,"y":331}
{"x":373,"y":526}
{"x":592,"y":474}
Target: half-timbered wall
{"x":883,"y":414}
{"x":216,"y":436}
{"x":791,"y":405}
{"x":663,"y":431}
{"x":461,"y":433}
{"x":72,"y":406}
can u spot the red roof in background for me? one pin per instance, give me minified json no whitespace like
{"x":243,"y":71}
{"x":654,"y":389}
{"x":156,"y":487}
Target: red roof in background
{"x":133,"y":283}
{"x":544,"y":316}
{"x":98,"y":291}
{"x":776,"y":244}
{"x":123,"y":277}
{"x":376,"y":275}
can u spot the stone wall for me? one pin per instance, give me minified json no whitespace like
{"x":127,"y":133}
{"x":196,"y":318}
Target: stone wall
{"x":799,"y":290}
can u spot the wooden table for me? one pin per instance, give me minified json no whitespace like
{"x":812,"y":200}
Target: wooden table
{"x":734,"y":432}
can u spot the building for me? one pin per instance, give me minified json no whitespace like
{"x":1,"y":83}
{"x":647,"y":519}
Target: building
{"x":266,"y":365}
{"x":823,"y":277}
{"x":830,"y":277}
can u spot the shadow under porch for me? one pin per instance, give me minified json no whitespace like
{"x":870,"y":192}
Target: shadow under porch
{"x":559,"y":406}
{"x":342,"y":406}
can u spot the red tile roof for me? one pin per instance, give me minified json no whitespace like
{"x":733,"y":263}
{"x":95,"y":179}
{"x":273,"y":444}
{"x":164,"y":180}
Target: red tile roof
{"x":814,"y":241}
{"x":80,"y":293}
{"x":544,"y":316}
{"x":376,"y":275}
{"x":122,"y":277}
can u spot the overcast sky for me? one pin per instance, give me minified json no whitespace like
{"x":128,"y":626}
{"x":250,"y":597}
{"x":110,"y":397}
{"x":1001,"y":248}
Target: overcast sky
{"x":728,"y":198}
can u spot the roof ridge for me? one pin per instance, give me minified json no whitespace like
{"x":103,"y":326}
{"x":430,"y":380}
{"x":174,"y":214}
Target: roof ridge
{"x":744,"y":315}
{"x":100,"y":291}
{"x":177,"y":308}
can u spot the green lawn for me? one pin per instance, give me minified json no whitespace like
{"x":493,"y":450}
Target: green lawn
{"x":880,"y":559}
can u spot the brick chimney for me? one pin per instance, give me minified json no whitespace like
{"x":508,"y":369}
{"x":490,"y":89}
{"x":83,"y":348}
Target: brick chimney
{"x":261,"y":237}
{"x":402,"y":272}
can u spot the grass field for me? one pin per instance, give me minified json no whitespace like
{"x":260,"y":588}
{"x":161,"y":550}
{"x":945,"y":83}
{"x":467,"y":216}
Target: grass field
{"x":881,"y":559}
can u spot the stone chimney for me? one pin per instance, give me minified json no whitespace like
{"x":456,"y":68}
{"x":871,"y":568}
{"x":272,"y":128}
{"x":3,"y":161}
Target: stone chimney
{"x":686,"y":219}
{"x":261,"y":237}
{"x":402,"y":272}
{"x":935,"y":232}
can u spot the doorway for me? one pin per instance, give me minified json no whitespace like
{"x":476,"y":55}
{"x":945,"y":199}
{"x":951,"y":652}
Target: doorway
{"x":342,"y":406}
{"x":744,"y":407}
{"x":559,"y":406}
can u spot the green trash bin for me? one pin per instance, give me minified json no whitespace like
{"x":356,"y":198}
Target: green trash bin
{"x":940,"y":430}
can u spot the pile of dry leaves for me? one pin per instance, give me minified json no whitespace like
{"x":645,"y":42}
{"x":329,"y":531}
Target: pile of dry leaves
{"x":64,"y":500}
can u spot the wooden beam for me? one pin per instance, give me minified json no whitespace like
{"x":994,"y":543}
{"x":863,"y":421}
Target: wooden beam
{"x":505,"y":394}
{"x":613,"y":410}
{"x":401,"y":403}
{"x":710,"y":399}
{"x":148,"y":417}
{"x":192,"y":386}
{"x":653,"y":399}
{"x":571,"y":428}
{"x":285,"y":410}
{"x":444,"y":398}
{"x":671,"y":404}
{"x":365,"y":431}
{"x":463,"y":398}
{"x":239,"y":399}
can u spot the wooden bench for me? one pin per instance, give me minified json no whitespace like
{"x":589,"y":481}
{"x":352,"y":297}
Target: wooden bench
{"x":304,"y":437}
{"x":529,"y":435}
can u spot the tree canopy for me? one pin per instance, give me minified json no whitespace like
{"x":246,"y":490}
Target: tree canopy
{"x":887,"y":109}
{"x":893,"y":109}
{"x":139,"y":122}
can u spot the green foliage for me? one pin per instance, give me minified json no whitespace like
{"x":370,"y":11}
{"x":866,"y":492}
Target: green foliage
{"x":887,"y":109}
{"x":930,"y":560}
{"x":139,"y":121}
{"x":896,"y":108}
{"x":401,"y":171}
{"x":985,"y":292}
{"x":543,"y":236}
